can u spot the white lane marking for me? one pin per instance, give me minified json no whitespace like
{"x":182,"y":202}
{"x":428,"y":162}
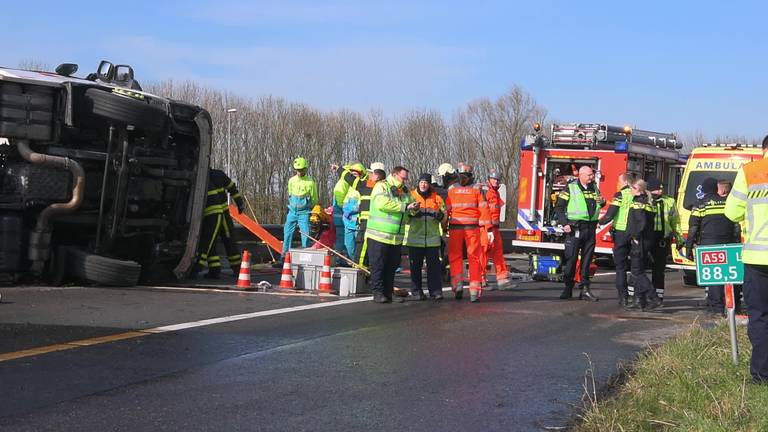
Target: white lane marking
{"x":236,"y":291}
{"x":212,"y":321}
{"x":605,"y":274}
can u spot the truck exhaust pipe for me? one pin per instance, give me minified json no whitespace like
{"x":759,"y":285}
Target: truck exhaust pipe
{"x":40,"y":237}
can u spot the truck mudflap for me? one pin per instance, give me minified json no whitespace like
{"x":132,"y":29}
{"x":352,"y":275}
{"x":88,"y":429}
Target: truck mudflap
{"x":195,"y":212}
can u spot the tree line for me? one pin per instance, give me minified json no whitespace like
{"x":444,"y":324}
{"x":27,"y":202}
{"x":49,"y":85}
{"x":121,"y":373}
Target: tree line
{"x":265,"y":134}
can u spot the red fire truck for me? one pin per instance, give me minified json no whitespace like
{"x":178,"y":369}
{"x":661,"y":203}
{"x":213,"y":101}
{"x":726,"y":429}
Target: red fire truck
{"x":547,"y":164}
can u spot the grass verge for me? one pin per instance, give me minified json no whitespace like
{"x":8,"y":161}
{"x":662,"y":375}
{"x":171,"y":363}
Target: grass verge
{"x":687,"y":384}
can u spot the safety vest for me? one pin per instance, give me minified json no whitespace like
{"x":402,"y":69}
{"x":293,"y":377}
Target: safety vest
{"x":669,"y":224}
{"x":495,"y":203}
{"x":467,"y":207}
{"x":386,"y":220}
{"x":346,"y":181}
{"x":748,"y":201}
{"x":365,"y":190}
{"x":302,"y":194}
{"x":577,"y":203}
{"x":423,"y":229}
{"x":219,"y":185}
{"x":620,"y":221}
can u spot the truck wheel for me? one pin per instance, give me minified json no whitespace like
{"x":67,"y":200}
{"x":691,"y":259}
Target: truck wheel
{"x":102,"y":270}
{"x":689,"y":278}
{"x":125,"y":109}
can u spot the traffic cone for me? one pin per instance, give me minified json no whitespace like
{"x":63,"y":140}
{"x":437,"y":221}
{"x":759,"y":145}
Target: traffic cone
{"x":244,"y":278}
{"x":286,"y":279}
{"x":326,"y":284}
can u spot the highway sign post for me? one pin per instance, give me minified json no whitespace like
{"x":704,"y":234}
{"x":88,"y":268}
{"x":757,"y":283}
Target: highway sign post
{"x":722,"y":265}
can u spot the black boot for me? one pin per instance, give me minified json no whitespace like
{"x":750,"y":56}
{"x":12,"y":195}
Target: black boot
{"x":623,"y":301}
{"x":653,"y":303}
{"x":586,"y":294}
{"x":567,"y":293}
{"x":633,"y":303}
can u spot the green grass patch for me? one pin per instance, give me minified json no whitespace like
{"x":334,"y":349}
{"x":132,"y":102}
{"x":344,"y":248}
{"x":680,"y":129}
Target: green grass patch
{"x":687,"y":384}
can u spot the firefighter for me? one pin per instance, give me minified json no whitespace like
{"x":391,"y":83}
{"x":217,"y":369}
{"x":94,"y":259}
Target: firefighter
{"x":618,"y":212}
{"x":708,"y":225}
{"x":748,"y":202}
{"x":375,"y":175}
{"x":640,"y":223}
{"x":422,"y":236}
{"x":469,"y":220}
{"x":302,"y":197}
{"x":495,"y":250}
{"x":666,"y":227}
{"x":351,"y":174}
{"x":577,"y":210}
{"x":390,"y":206}
{"x":217,"y":223}
{"x":446,"y":176}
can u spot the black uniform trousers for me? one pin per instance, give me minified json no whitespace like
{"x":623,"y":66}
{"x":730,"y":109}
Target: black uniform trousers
{"x":622,"y":244}
{"x":384,"y":260}
{"x":581,"y":240}
{"x":416,"y":255}
{"x":660,"y":250}
{"x":217,"y":226}
{"x":361,"y":246}
{"x":756,"y":297}
{"x":638,"y":262}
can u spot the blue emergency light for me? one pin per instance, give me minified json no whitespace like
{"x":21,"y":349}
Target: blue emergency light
{"x":525,"y":144}
{"x":620,"y":147}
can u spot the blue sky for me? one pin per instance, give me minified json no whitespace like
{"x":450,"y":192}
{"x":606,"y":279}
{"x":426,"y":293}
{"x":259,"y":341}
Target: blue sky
{"x":669,"y":66}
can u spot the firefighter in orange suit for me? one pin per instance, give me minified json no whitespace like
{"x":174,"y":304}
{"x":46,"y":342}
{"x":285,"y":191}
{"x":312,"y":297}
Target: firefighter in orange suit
{"x":495,"y":250}
{"x":469,"y":222}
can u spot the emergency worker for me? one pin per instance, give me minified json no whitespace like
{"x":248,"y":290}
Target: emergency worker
{"x":618,"y":212}
{"x":640,"y":222}
{"x":748,"y":202}
{"x":375,"y":175}
{"x":468,"y":219}
{"x":495,"y":249}
{"x":217,"y":223}
{"x":577,"y":211}
{"x":422,"y":236}
{"x":666,"y":227}
{"x":351,"y":175}
{"x":708,"y":225}
{"x":390,"y":206}
{"x":360,"y":191}
{"x":446,"y":176}
{"x":302,"y":197}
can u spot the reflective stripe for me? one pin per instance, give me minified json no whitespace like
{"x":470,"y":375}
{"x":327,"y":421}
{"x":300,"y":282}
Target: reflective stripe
{"x":738,"y":195}
{"x":464,"y":220}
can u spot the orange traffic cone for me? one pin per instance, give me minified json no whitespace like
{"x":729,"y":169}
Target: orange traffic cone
{"x":577,"y":272}
{"x":326,"y":284}
{"x":244,"y":279}
{"x":286,"y":279}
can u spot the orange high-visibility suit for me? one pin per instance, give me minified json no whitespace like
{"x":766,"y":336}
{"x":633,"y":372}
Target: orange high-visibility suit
{"x":495,"y":250}
{"x":468,"y":222}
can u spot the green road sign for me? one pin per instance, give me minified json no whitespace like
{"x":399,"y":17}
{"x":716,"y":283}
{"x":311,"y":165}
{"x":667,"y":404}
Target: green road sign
{"x":719,"y":264}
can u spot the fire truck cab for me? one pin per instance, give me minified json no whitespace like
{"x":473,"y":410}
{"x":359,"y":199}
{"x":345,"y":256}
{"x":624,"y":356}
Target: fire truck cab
{"x":548,"y":164}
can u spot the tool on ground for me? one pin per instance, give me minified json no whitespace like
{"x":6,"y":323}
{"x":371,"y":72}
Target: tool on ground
{"x":326,"y":283}
{"x":244,"y":278}
{"x":349,"y":261}
{"x":286,"y":278}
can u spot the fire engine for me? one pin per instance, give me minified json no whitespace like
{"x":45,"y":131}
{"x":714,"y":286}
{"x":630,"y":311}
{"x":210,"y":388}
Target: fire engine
{"x":548,"y":164}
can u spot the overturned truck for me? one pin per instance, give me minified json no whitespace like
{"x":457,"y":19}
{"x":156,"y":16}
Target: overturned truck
{"x":99,"y":181}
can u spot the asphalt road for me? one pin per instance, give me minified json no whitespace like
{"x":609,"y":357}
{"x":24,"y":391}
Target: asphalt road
{"x":516,"y":361}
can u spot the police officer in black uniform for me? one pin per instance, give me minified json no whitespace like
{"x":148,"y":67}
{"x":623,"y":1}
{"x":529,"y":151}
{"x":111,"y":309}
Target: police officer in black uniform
{"x":708,"y":225}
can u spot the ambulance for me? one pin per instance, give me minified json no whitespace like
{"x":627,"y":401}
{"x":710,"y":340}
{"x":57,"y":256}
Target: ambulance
{"x":547,"y":164}
{"x":719,"y":161}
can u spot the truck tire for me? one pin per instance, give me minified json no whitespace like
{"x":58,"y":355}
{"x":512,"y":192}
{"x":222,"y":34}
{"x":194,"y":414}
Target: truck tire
{"x":125,"y":109}
{"x":102,"y":270}
{"x":689,"y":278}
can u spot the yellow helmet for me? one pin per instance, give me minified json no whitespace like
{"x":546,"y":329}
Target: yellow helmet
{"x":358,"y":167}
{"x":300,"y":163}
